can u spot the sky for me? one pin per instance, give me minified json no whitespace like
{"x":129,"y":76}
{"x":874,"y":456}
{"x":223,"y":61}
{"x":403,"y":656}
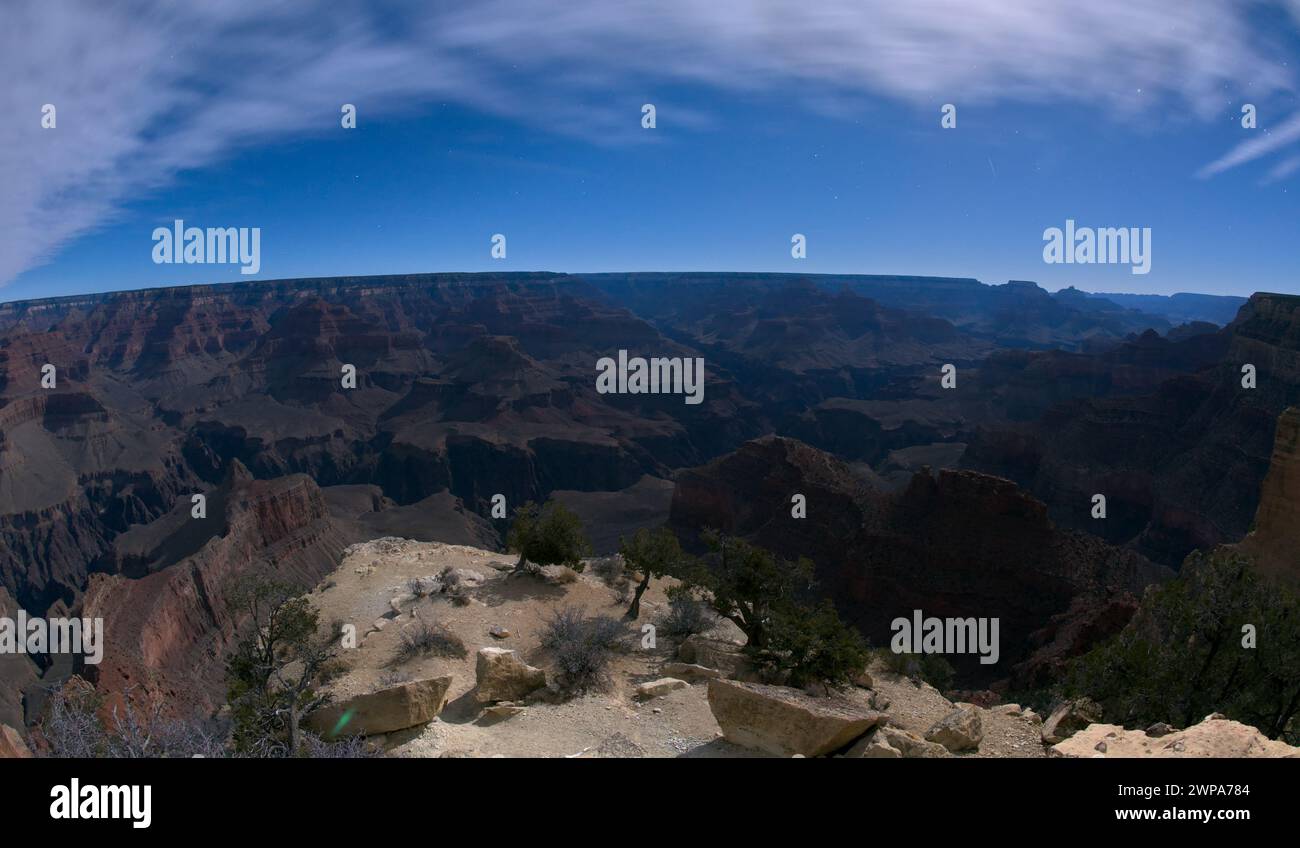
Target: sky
{"x":771,"y":118}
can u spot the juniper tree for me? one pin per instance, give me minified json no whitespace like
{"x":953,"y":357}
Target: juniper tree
{"x":747,"y":584}
{"x":651,"y":553}
{"x":547,"y":535}
{"x":275,"y":671}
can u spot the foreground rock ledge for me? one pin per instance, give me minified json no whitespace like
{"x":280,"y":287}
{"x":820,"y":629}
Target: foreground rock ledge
{"x":784,"y":721}
{"x":1213,"y":737}
{"x":394,"y":708}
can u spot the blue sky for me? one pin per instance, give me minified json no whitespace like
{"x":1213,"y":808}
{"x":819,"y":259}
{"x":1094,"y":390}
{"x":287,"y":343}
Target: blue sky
{"x":768,"y":124}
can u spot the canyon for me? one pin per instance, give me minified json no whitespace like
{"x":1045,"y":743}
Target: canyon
{"x":468,"y":386}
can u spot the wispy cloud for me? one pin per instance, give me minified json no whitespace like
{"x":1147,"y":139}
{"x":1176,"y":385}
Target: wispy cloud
{"x":1263,"y":144}
{"x":146,"y":89}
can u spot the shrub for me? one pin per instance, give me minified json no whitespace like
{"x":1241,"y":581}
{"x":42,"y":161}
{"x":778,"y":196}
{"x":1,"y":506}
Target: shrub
{"x":610,"y":570}
{"x":810,"y":645}
{"x":582,"y":648}
{"x":931,"y":668}
{"x":345,"y":748}
{"x":73,"y":727}
{"x":686,"y":616}
{"x":421,"y":638}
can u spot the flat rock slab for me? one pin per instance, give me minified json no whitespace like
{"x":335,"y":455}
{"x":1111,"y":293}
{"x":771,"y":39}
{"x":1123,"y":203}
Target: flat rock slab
{"x":1214,"y":737}
{"x":662,"y":686}
{"x":394,"y":708}
{"x":784,"y":721}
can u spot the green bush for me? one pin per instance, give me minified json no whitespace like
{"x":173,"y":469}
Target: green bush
{"x":789,"y":635}
{"x":1184,"y":653}
{"x":810,"y":645}
{"x":548,"y":535}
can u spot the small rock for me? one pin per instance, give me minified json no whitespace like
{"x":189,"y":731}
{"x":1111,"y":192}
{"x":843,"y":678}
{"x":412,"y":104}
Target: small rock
{"x":960,"y":730}
{"x":464,"y":578}
{"x":727,"y":657}
{"x":662,"y":686}
{"x":910,"y":745}
{"x":873,"y":746}
{"x":1159,"y":729}
{"x":503,"y":710}
{"x":690,"y":672}
{"x":1069,"y":718}
{"x":499,"y":632}
{"x":558,"y":575}
{"x":428,"y":585}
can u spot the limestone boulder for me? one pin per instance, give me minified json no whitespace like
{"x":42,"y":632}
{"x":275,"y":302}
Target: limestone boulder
{"x":1069,"y":718}
{"x":912,"y":746}
{"x":960,"y":730}
{"x":502,"y":676}
{"x":786,"y":722}
{"x":727,"y":657}
{"x":384,"y":710}
{"x":662,"y":686}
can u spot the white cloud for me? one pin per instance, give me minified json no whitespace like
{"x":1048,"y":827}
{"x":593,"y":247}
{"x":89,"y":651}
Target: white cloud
{"x":148,"y":89}
{"x":1261,"y":143}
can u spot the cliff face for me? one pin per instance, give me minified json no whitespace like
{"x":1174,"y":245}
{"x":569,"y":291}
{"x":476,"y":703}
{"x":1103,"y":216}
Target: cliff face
{"x":1274,"y":542}
{"x":18,"y":672}
{"x":470,"y":386}
{"x":166,"y":633}
{"x":1180,"y":458}
{"x":474,"y":384}
{"x":959,"y":544}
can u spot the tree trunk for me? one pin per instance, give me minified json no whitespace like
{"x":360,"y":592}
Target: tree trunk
{"x":293,"y":731}
{"x":635,"y":609}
